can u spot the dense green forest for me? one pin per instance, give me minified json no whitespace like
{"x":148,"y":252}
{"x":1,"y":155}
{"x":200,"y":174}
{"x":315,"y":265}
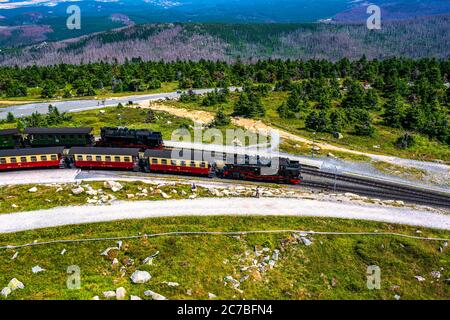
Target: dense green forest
{"x":408,"y":94}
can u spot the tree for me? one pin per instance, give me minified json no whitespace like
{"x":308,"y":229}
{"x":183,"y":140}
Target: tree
{"x":221,"y":119}
{"x":48,"y":90}
{"x":10,"y":117}
{"x":337,"y":121}
{"x":363,"y":125}
{"x":284,"y":112}
{"x":405,"y":141}
{"x":249,"y":105}
{"x":394,"y":113}
{"x":317,"y":121}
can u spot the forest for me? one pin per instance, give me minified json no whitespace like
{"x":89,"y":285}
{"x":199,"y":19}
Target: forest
{"x":407,"y":94}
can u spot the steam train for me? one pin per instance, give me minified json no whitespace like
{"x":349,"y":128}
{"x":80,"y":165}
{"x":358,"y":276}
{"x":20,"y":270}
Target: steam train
{"x":133,"y":150}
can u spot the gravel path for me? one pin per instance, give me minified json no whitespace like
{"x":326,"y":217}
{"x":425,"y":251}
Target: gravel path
{"x":205,"y":207}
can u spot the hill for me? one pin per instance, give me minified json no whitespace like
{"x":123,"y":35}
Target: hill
{"x":424,"y":37}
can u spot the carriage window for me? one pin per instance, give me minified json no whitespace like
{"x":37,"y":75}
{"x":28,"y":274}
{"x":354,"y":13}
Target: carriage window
{"x":183,"y":163}
{"x":155,"y":161}
{"x":89,"y":158}
{"x":33,"y":159}
{"x":43,"y":158}
{"x":192,"y":163}
{"x":203,"y":165}
{"x":117,"y":159}
{"x":80,"y":158}
{"x":98,"y":158}
{"x":63,"y":136}
{"x":164,"y":161}
{"x":53,"y":157}
{"x":71,"y":136}
{"x":173,"y":162}
{"x":127,"y":159}
{"x":13,"y":160}
{"x":108,"y":158}
{"x":2,"y":160}
{"x":23,"y":159}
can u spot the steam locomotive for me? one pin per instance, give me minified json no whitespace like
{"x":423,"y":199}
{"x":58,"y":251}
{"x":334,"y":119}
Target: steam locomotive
{"x":131,"y":149}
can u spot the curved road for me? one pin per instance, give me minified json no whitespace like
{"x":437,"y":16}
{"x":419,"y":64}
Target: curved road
{"x":22,"y":221}
{"x":82,"y":105}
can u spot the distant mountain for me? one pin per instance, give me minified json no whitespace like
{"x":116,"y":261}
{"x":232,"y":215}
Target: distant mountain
{"x":47,"y":18}
{"x":424,"y":37}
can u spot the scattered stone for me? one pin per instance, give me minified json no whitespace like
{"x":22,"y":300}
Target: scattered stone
{"x":171,"y":284}
{"x":78,"y":190}
{"x":211,"y":295}
{"x":113,"y":185}
{"x":306,"y":241}
{"x":234,"y":283}
{"x":140,"y":277}
{"x":59,"y":190}
{"x":397,"y":297}
{"x":106,"y":252}
{"x":435,"y":274}
{"x":115,"y":262}
{"x":37,"y":269}
{"x":135,"y":298}
{"x":121,"y":293}
{"x":14,"y":205}
{"x":15,"y":284}
{"x":419,"y":278}
{"x":192,"y":196}
{"x":95,"y":298}
{"x":149,"y":259}
{"x":130,"y":196}
{"x":189,"y":292}
{"x":15,"y":255}
{"x":63,"y":251}
{"x":6,"y":291}
{"x":109,"y":294}
{"x":154,"y":295}
{"x":33,"y":190}
{"x":165,"y":195}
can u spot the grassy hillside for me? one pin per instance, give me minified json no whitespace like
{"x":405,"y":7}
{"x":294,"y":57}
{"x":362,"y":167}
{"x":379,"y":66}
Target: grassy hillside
{"x":333,"y":267}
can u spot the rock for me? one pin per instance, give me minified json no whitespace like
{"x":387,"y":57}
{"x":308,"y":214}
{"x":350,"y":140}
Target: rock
{"x":109,"y":294}
{"x":165,"y":195}
{"x":330,"y":155}
{"x":14,"y":205}
{"x":174,"y":191}
{"x":192,"y":196}
{"x":78,"y":190}
{"x":149,"y":259}
{"x":135,"y":298}
{"x":234,"y":283}
{"x":6,"y":291}
{"x":115,"y":262}
{"x":183,"y":193}
{"x":130,"y":196}
{"x":37,"y":269}
{"x":95,"y":298}
{"x":140,"y":277}
{"x":63,"y":251}
{"x":15,"y":284}
{"x":154,"y":295}
{"x":113,"y":185}
{"x":276,"y":254}
{"x":59,"y":189}
{"x":172,"y":284}
{"x":397,"y":297}
{"x":121,"y":293}
{"x":306,"y":241}
{"x":211,"y":295}
{"x":15,"y":256}
{"x":189,"y":292}
{"x":435,"y":274}
{"x":106,"y":252}
{"x":377,"y":146}
{"x":419,"y":278}
{"x":33,"y":190}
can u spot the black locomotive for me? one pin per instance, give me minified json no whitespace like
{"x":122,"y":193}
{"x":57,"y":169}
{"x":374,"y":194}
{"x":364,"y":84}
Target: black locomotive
{"x":130,"y":138}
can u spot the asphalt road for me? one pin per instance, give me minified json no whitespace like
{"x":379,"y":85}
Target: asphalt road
{"x":82,"y":105}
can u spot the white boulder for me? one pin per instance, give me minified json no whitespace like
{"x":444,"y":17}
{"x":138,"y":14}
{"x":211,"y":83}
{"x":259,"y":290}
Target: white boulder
{"x":154,"y":295}
{"x":140,"y":277}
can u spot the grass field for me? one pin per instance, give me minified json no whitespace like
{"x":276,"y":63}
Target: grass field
{"x":51,"y":196}
{"x":333,"y":267}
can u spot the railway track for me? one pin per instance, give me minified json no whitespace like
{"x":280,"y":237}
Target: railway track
{"x":374,"y":188}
